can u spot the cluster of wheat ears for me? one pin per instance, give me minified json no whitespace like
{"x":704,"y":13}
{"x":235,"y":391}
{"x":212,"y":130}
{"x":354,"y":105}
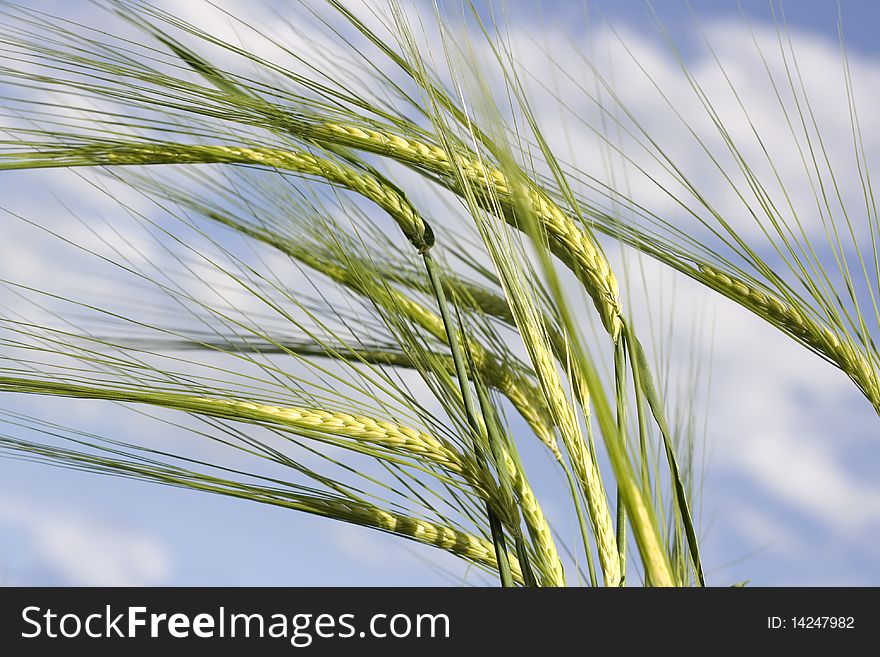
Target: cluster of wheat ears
{"x":429,"y":344}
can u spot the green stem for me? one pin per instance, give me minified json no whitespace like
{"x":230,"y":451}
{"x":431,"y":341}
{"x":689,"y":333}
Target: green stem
{"x":643,"y":429}
{"x":582,"y":522}
{"x":680,"y":495}
{"x":620,"y":394}
{"x":523,"y":555}
{"x":470,"y":410}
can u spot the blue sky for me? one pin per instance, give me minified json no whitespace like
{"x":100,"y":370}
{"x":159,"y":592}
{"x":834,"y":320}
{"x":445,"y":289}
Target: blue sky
{"x":817,"y":16}
{"x":790,"y":500}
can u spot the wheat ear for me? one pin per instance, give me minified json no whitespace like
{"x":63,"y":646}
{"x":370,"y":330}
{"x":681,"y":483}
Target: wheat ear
{"x":390,"y":435}
{"x":459,"y":542}
{"x":536,"y":522}
{"x":802,"y":327}
{"x":112,"y":153}
{"x":571,"y":244}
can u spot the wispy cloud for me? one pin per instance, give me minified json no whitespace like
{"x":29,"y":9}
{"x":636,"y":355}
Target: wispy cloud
{"x":83,"y":551}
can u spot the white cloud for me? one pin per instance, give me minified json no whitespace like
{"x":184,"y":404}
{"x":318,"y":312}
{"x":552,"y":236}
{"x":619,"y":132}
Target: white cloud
{"x":85,"y":551}
{"x":770,"y":399}
{"x":764,"y":530}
